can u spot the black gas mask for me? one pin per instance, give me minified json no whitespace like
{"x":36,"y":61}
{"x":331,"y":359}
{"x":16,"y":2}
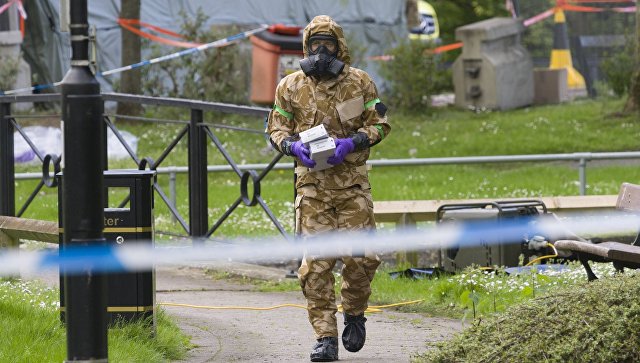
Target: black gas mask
{"x":322,"y":60}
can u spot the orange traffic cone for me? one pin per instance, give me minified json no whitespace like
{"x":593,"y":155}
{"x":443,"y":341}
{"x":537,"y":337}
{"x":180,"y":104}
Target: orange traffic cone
{"x":561,"y":55}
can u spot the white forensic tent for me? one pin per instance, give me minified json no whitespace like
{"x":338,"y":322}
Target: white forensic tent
{"x":375,"y":26}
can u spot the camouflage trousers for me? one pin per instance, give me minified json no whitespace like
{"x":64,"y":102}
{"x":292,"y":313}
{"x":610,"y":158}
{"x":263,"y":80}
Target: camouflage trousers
{"x":322,"y":211}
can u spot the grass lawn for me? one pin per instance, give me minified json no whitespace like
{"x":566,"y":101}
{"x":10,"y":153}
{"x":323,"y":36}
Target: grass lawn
{"x":32,"y":332}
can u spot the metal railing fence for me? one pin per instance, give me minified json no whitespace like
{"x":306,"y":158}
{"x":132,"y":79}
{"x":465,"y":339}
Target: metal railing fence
{"x":198,"y":133}
{"x":582,"y":159}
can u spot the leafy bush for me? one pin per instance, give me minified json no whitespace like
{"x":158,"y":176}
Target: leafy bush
{"x":618,"y":68}
{"x":587,"y":322}
{"x":413,"y":75}
{"x":217,"y":74}
{"x":8,"y":71}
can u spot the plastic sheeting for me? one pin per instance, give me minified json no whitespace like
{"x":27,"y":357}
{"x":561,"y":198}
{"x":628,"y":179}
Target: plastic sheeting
{"x":372,"y":26}
{"x":48,"y":140}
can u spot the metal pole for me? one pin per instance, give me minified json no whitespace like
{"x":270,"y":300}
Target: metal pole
{"x":173,"y":192}
{"x":198,"y":195}
{"x":82,"y":202}
{"x":5,"y":24}
{"x":516,"y":7}
{"x":582,"y":171}
{"x":7,"y":169}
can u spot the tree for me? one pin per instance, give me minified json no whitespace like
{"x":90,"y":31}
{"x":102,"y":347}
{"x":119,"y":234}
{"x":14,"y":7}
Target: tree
{"x":633,"y":101}
{"x":130,"y":81}
{"x":456,"y":13}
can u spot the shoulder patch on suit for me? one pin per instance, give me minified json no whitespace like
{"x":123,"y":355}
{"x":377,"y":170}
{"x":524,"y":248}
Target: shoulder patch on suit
{"x":381,"y":109}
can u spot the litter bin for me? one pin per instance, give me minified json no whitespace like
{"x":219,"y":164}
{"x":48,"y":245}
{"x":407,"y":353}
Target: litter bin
{"x":128,"y":219}
{"x":494,"y":70}
{"x":275,"y":54}
{"x":488,"y":253}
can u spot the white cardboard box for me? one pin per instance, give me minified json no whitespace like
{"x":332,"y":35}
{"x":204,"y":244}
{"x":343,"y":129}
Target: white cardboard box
{"x":321,"y":150}
{"x":314,"y":133}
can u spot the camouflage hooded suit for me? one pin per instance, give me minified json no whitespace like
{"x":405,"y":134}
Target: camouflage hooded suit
{"x":338,"y":198}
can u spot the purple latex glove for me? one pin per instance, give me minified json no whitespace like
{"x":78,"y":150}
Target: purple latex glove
{"x":343,"y":147}
{"x":298,"y":149}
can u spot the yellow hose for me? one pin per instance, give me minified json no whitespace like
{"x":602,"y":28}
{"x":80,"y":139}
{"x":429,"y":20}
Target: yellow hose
{"x":370,"y":309}
{"x":232,"y":307}
{"x":543,"y":257}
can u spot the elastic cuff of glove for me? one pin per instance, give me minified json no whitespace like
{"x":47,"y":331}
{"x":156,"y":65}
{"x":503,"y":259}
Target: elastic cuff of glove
{"x":360,"y":141}
{"x":285,"y":147}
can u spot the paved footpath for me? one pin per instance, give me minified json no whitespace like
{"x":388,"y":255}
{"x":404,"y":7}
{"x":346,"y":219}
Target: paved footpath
{"x":279,"y":335}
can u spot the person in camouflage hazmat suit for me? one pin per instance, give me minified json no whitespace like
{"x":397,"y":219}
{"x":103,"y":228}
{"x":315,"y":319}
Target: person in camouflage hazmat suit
{"x":344,"y":99}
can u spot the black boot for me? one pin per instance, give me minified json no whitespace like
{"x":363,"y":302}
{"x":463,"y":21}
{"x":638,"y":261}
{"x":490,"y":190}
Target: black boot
{"x":354,"y":333}
{"x":325,"y":350}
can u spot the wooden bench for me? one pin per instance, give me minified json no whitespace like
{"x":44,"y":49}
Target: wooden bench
{"x":620,"y":254}
{"x":13,"y":229}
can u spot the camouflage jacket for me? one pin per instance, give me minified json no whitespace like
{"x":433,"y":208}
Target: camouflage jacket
{"x":345,"y":105}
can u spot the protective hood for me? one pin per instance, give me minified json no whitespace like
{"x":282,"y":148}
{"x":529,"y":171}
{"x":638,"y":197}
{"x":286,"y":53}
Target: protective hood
{"x":324,"y":24}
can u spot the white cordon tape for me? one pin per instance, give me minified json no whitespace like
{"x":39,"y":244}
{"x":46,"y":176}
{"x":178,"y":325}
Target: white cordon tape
{"x":144,"y":256}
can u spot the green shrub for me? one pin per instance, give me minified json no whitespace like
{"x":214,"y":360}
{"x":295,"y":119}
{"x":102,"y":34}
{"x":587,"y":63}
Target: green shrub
{"x":413,"y":75}
{"x":8,"y":71}
{"x":216,"y":74}
{"x":618,"y":68}
{"x":585,"y":322}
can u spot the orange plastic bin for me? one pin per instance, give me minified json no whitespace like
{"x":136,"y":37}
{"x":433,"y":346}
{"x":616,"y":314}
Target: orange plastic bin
{"x":274,"y":56}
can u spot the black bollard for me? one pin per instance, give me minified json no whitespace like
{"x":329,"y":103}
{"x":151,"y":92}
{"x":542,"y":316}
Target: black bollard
{"x":7,"y":168}
{"x":83,"y":215}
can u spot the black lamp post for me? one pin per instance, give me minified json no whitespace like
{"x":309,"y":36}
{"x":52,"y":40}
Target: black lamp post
{"x":82,"y":203}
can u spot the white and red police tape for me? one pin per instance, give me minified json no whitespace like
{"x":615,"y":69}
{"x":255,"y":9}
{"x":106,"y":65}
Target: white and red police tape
{"x":216,"y":44}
